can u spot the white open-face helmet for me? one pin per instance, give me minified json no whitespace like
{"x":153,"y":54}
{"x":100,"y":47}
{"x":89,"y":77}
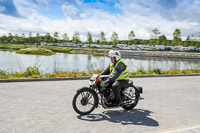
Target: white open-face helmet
{"x":116,"y":54}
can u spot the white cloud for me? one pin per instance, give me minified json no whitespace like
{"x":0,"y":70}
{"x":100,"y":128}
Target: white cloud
{"x":94,"y":20}
{"x":70,"y":12}
{"x":26,"y":7}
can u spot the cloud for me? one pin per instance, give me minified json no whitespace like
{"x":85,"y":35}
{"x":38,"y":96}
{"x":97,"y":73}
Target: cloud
{"x":72,"y":2}
{"x":168,"y":9}
{"x":39,"y":2}
{"x":70,"y":12}
{"x":141,"y":16}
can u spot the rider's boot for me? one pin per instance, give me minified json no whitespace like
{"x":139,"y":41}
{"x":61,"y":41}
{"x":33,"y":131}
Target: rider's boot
{"x":118,"y":101}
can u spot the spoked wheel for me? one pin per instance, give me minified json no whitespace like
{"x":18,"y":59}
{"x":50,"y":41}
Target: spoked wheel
{"x":85,"y":101}
{"x":132,"y":102}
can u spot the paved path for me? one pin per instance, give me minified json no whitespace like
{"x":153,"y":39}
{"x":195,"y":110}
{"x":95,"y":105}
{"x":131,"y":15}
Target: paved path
{"x":171,"y":104}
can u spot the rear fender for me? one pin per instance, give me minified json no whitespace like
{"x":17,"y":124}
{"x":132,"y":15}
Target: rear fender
{"x":138,"y":89}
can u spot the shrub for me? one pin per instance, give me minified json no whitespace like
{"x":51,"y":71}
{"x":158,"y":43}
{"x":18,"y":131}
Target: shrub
{"x":2,"y":72}
{"x":157,"y":71}
{"x":30,"y":71}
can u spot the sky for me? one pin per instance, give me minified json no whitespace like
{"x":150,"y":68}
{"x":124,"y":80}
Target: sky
{"x":83,"y":16}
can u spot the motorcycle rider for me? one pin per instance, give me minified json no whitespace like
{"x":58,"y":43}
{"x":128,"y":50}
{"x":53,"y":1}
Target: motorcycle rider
{"x":118,"y":75}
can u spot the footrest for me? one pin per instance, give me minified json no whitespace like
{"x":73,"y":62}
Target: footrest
{"x":141,"y":98}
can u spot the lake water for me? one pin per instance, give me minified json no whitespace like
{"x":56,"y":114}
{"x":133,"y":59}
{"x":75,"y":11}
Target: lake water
{"x":11,"y":62}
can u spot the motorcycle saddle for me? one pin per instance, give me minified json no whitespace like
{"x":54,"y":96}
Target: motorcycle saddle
{"x":130,"y":84}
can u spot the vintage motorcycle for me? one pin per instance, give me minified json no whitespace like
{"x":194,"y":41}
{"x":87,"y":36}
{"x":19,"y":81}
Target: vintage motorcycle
{"x":88,"y":98}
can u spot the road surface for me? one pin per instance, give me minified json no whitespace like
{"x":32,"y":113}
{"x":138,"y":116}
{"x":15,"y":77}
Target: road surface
{"x":171,"y":104}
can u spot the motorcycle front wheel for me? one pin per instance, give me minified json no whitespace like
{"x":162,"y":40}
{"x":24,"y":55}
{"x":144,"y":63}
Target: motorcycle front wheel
{"x":85,"y":101}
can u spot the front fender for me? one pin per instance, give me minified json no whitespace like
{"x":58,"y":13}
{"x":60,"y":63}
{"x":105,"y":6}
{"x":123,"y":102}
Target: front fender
{"x":82,"y":88}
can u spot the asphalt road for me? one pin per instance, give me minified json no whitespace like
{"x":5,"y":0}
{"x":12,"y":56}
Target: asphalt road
{"x":171,"y":104}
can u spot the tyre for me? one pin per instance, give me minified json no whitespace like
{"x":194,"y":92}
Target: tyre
{"x":85,"y":101}
{"x":131,"y":103}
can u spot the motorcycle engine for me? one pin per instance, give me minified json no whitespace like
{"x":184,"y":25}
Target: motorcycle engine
{"x":108,"y":98}
{"x":129,"y":92}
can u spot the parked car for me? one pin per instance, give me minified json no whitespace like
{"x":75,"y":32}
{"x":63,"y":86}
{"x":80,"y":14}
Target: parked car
{"x":86,"y":46}
{"x":121,"y":46}
{"x":178,"y":47}
{"x":192,"y":48}
{"x":107,"y":46}
{"x":43,"y":43}
{"x":168,"y":48}
{"x":160,"y":47}
{"x":142,"y":47}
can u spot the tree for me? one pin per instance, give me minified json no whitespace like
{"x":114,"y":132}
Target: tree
{"x":4,"y":39}
{"x":198,"y":44}
{"x":30,"y":38}
{"x":55,"y":35}
{"x":76,"y":38}
{"x":156,"y":33}
{"x":193,"y":40}
{"x":38,"y":38}
{"x":176,"y":37}
{"x":98,"y":42}
{"x":102,"y":38}
{"x":114,"y":38}
{"x":162,"y":40}
{"x":47,"y":38}
{"x":131,"y":37}
{"x":89,"y":38}
{"x":16,"y":38}
{"x":65,"y":37}
{"x":199,"y":36}
{"x":23,"y":35}
{"x":187,"y":41}
{"x":22,"y":38}
{"x":10,"y":37}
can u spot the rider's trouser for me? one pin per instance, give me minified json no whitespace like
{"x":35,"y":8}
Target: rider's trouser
{"x":116,"y":86}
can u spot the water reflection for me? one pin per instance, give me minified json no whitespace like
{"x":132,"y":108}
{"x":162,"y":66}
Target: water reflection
{"x":11,"y":62}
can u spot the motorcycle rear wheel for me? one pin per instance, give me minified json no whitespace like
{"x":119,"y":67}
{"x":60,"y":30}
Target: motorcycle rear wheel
{"x":132,"y":105}
{"x":85,"y":101}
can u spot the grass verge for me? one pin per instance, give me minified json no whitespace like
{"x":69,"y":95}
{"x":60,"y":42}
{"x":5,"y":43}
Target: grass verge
{"x":33,"y":72}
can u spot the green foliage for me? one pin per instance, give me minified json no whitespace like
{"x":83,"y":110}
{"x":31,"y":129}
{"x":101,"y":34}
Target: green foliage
{"x":156,"y":71}
{"x":89,"y":38}
{"x":31,"y":71}
{"x":131,"y":37}
{"x":36,"y":51}
{"x":154,"y":40}
{"x":102,"y":38}
{"x":12,"y":46}
{"x":65,"y":36}
{"x":58,"y":49}
{"x":156,"y":33}
{"x":2,"y":72}
{"x":177,"y":38}
{"x":76,"y":38}
{"x":162,"y":40}
{"x":114,"y":38}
